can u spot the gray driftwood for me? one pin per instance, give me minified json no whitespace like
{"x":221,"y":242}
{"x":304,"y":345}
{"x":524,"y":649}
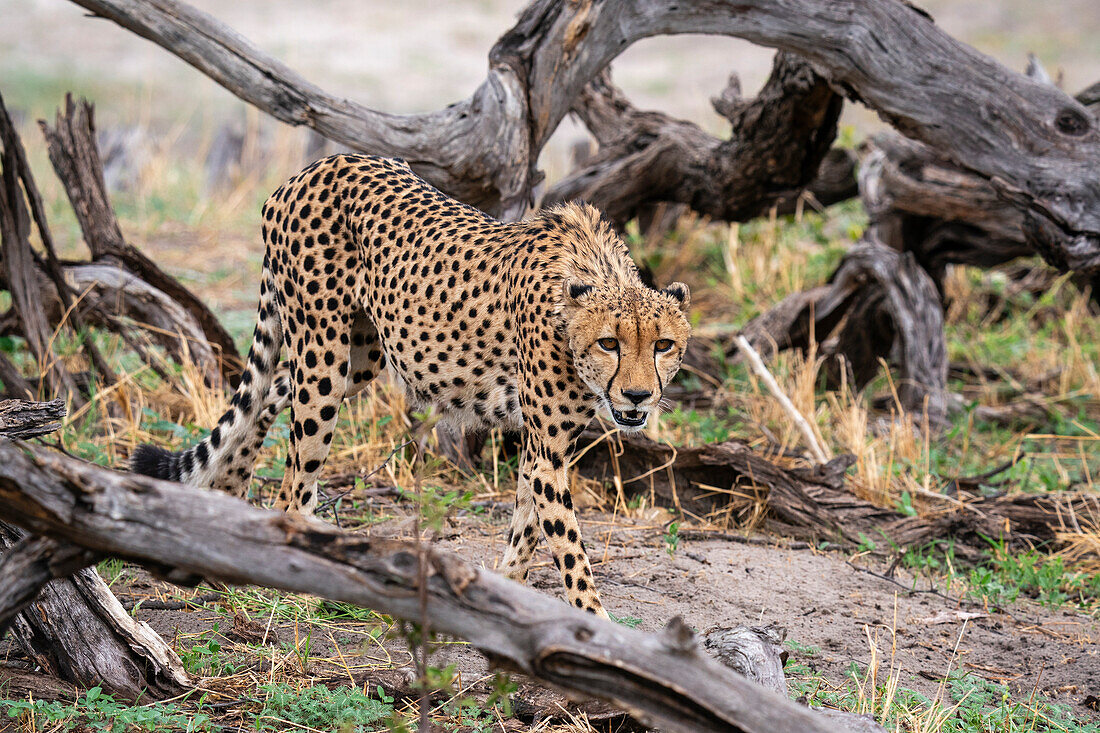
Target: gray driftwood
{"x":21,"y":419}
{"x":61,"y":613}
{"x":1033,"y":143}
{"x":776,"y":144}
{"x":71,"y":625}
{"x":23,"y":271}
{"x":754,"y":651}
{"x":757,"y":652}
{"x":187,"y":534}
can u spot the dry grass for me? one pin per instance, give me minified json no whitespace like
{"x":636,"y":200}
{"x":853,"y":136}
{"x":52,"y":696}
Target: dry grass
{"x":1041,"y":349}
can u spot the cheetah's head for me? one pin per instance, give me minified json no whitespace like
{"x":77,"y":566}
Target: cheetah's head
{"x":627,"y":344}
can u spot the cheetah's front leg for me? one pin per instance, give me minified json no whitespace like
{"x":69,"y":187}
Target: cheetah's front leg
{"x":544,"y":475}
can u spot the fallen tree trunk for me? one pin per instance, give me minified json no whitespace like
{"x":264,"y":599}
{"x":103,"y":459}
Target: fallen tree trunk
{"x":816,"y":504}
{"x":1034,"y":144}
{"x":73,"y":627}
{"x":187,"y":534}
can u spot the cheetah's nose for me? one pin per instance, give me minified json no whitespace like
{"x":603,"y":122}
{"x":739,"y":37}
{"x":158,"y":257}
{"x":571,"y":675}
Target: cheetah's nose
{"x":637,"y":396}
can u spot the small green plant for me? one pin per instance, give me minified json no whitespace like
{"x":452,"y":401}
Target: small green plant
{"x":804,"y":651}
{"x":344,"y":709}
{"x":205,"y":659}
{"x":111,"y":570}
{"x":904,"y":505}
{"x":98,"y":711}
{"x":631,"y":622}
{"x":672,"y":538}
{"x":436,"y":504}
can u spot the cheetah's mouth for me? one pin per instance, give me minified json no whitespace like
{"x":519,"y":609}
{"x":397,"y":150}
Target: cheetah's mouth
{"x":630,"y":418}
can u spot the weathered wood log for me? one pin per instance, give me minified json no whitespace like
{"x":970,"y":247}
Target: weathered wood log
{"x":754,"y":651}
{"x":777,"y":142}
{"x":72,"y":147}
{"x":21,"y":419}
{"x":919,"y":201}
{"x":27,"y":566}
{"x":703,"y":478}
{"x":112,"y":289}
{"x":757,"y":653}
{"x":815,"y":504}
{"x":19,"y":683}
{"x":880,"y":304}
{"x":1035,"y":144}
{"x":21,"y":266}
{"x":75,"y":629}
{"x":187,"y":534}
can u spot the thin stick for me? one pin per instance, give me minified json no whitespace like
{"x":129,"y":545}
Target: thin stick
{"x":800,"y":422}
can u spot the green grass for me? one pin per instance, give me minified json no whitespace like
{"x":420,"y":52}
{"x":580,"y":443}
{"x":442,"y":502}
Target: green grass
{"x":98,"y":711}
{"x":344,"y":709}
{"x":968,"y":704}
{"x":1005,"y":576}
{"x":278,"y":707}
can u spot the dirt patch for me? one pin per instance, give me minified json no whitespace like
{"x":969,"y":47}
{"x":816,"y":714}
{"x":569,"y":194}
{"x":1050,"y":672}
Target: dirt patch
{"x":838,"y":608}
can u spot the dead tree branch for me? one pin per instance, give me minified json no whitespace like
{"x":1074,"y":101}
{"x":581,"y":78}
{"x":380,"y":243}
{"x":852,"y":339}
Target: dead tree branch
{"x":22,"y":420}
{"x":188,"y":534}
{"x":817,"y":504}
{"x":777,"y":143}
{"x":120,"y":290}
{"x":1036,"y":145}
{"x":75,"y":156}
{"x":22,"y":269}
{"x":880,"y":304}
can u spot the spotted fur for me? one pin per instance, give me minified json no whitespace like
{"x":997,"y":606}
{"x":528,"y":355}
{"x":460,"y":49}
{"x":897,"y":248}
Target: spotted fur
{"x":533,"y":325}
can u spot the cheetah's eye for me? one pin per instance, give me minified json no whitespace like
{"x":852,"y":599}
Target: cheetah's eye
{"x":663,"y":345}
{"x":609,"y":344}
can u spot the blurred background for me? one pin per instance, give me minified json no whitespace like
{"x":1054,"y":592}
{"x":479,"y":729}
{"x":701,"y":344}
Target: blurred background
{"x":189,"y":164}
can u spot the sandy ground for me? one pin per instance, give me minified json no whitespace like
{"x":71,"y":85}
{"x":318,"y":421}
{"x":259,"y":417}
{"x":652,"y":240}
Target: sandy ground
{"x":821,"y":599}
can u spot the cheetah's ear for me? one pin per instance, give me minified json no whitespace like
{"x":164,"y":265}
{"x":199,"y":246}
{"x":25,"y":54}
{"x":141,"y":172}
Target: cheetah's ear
{"x":573,"y":291}
{"x":680,"y":292}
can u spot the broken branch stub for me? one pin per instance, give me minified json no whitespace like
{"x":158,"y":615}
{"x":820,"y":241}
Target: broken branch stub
{"x":880,"y":305}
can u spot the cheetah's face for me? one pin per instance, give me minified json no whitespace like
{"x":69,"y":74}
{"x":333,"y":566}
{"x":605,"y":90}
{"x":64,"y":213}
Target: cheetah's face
{"x":627,"y":344}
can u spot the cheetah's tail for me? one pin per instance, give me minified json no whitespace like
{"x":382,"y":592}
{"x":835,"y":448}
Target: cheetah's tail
{"x":208,"y":463}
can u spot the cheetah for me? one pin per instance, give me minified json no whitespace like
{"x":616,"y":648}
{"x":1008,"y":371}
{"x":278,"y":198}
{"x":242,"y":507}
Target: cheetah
{"x":532,"y":326}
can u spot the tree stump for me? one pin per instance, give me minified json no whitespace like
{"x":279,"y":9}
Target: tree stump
{"x":61,"y":614}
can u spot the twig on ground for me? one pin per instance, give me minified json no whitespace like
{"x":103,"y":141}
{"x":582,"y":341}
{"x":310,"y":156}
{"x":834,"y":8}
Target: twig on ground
{"x":800,"y":422}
